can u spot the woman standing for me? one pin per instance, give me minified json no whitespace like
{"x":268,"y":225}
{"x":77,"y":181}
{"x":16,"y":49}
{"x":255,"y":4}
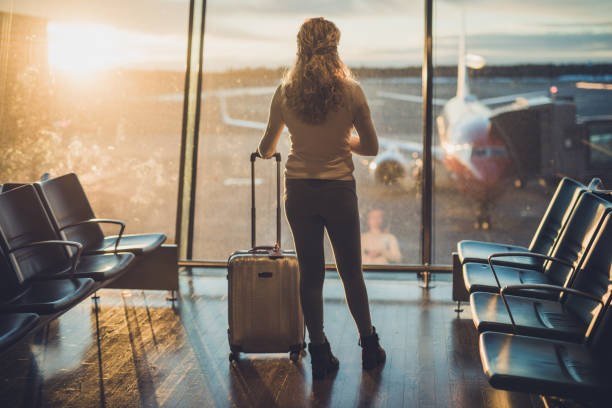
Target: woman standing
{"x":320,"y":104}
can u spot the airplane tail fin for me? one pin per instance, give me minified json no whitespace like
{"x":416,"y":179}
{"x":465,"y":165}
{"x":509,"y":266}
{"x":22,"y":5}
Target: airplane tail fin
{"x":465,"y":61}
{"x":463,"y":88}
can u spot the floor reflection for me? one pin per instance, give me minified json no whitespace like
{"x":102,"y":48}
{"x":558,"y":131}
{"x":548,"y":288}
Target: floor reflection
{"x":369,"y":388}
{"x":135,"y":349}
{"x":100,"y":366}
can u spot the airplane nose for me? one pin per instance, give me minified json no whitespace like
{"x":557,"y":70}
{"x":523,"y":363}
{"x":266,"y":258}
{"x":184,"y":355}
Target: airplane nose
{"x":487,"y":172}
{"x":490,"y":171}
{"x":488,"y":160}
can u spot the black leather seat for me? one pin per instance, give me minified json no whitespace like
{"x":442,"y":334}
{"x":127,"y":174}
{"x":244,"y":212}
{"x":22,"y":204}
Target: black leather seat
{"x":10,"y":186}
{"x":568,"y":251}
{"x":21,"y":292}
{"x":552,"y":367}
{"x":564,"y":319}
{"x":15,"y":326}
{"x":550,"y":228}
{"x":34,"y":248}
{"x":72,"y":215}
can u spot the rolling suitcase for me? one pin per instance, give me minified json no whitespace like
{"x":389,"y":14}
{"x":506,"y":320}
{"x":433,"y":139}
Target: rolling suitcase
{"x":264,"y":311}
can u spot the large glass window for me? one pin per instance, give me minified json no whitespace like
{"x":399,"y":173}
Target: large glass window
{"x":246,"y":51}
{"x":96,"y":88}
{"x":522,"y":97}
{"x":516,"y":86}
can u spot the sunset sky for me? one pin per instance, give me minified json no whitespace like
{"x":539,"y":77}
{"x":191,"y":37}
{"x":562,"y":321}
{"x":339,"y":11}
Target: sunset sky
{"x":151,"y":34}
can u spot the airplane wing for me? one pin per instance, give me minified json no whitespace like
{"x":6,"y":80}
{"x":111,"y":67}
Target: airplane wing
{"x":407,"y":148}
{"x":498,"y":100}
{"x":249,"y":124}
{"x":409,"y":98}
{"x":223,"y":94}
{"x":254,"y":90}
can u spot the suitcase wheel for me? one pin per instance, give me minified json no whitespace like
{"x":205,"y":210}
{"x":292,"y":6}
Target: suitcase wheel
{"x":294,"y":356}
{"x":233,"y":356}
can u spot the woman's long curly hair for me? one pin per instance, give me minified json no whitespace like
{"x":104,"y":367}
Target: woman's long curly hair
{"x":317,"y":81}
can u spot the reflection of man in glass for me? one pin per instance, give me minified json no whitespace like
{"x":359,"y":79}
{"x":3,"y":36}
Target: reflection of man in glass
{"x":377,"y":245}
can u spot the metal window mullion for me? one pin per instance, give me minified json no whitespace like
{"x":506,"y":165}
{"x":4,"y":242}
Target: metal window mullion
{"x":196,"y":136}
{"x":181,"y":179}
{"x":427,"y":174}
{"x":190,"y":135}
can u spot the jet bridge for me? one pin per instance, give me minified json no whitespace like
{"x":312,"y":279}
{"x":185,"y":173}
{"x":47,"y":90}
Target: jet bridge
{"x":546,"y":140}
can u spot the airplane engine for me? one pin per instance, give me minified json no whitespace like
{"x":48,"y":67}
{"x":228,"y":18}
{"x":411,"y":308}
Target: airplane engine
{"x":389,"y":168}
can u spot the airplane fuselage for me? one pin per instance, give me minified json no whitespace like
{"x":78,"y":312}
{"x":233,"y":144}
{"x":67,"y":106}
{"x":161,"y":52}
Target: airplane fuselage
{"x":476,"y":157}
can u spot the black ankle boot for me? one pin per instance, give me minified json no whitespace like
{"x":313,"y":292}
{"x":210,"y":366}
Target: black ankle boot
{"x":372,"y":354}
{"x":322,"y":359}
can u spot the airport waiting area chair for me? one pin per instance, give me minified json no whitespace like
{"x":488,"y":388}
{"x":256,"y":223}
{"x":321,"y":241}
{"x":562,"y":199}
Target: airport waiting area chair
{"x":9,"y":186}
{"x":552,"y":367}
{"x":28,"y":289}
{"x":72,"y":216}
{"x":548,"y":331}
{"x":551,"y":225}
{"x":39,"y":277}
{"x":29,"y":240}
{"x":558,"y":269}
{"x":566,"y":318}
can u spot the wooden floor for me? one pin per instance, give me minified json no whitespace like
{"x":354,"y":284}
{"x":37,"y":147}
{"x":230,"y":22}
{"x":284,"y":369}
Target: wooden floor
{"x":139,"y":350}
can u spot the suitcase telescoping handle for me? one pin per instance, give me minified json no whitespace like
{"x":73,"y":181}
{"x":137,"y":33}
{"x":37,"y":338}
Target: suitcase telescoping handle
{"x":276,"y":247}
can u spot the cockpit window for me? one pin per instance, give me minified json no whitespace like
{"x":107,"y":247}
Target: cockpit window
{"x":489,"y":151}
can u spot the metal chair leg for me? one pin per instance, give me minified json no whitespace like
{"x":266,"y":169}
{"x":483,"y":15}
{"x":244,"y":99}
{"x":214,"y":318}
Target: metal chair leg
{"x":171,"y":296}
{"x":426,"y":282}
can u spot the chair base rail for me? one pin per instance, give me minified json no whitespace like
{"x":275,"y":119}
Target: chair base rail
{"x":460,"y":293}
{"x":157,"y":270}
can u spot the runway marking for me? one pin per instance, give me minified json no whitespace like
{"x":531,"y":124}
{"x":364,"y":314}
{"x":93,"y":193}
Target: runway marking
{"x":241,"y":181}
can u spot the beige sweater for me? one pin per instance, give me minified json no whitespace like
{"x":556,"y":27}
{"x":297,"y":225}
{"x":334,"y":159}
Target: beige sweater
{"x":322,"y":151}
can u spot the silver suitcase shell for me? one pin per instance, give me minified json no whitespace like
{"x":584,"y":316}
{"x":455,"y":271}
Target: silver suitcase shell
{"x":264,"y":311}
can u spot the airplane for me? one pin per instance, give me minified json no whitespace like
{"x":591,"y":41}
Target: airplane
{"x":471,"y":148}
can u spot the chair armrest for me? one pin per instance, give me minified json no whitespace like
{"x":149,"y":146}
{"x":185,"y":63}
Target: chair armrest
{"x":595,"y":184}
{"x":509,"y":254}
{"x":77,"y":245}
{"x":518,"y":288}
{"x":100,"y":221}
{"x":527,"y":255}
{"x":530,"y":255}
{"x":576,"y":292}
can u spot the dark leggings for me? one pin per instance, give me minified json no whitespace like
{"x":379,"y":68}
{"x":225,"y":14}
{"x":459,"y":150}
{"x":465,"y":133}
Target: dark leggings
{"x":312,"y":205}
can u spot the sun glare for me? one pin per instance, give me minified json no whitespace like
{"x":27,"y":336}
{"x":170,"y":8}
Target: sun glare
{"x":83,"y":48}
